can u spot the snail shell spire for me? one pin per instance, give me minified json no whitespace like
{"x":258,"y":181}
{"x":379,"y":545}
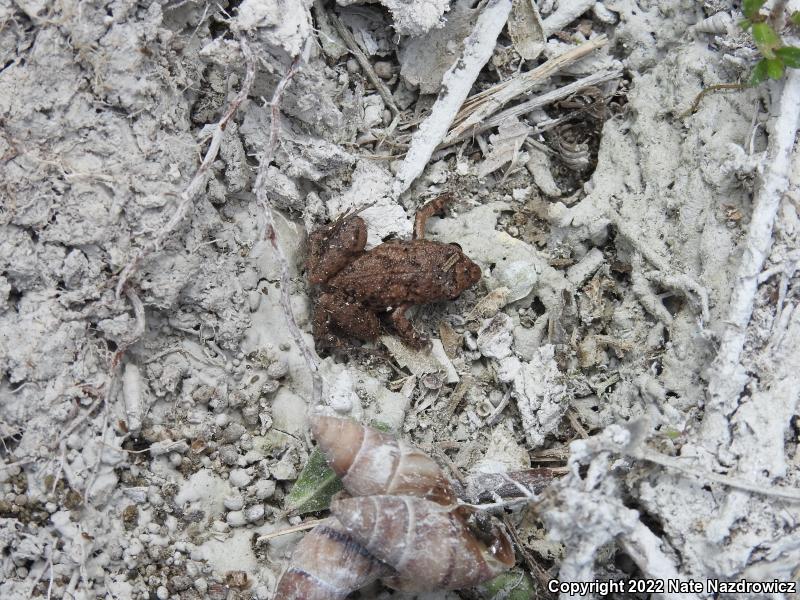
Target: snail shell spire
{"x":371,"y":462}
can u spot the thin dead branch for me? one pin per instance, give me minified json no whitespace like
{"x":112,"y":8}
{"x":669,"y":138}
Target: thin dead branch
{"x":456,"y":84}
{"x":198,"y":182}
{"x":265,"y":158}
{"x":705,"y":476}
{"x":727,"y":374}
{"x":355,"y":50}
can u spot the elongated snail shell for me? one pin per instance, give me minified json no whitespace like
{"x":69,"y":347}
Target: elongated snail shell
{"x":370,"y":462}
{"x":328,"y":564}
{"x":404,"y":513}
{"x":430,"y":546}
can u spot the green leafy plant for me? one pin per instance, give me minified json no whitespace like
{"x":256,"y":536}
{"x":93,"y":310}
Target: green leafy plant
{"x":776,"y":55}
{"x":314,"y":487}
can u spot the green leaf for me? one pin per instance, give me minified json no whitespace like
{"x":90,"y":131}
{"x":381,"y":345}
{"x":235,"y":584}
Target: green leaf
{"x":745,"y":24}
{"x":795,"y":18}
{"x":750,"y":8}
{"x":766,"y":39}
{"x":759,"y":73}
{"x":775,"y":68}
{"x":314,"y":487}
{"x":511,"y":585}
{"x":790,"y":56}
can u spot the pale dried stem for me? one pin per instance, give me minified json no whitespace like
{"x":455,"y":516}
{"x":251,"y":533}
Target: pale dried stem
{"x":196,"y":185}
{"x":139,"y":316}
{"x":265,"y":158}
{"x":727,"y":375}
{"x":302,"y":527}
{"x":705,"y":476}
{"x":565,"y":14}
{"x":644,"y":547}
{"x":534,"y":103}
{"x":480,"y":106}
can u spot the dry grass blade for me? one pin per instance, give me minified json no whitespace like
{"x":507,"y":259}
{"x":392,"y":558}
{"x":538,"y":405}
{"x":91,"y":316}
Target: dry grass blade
{"x":537,"y":102}
{"x":480,"y":106}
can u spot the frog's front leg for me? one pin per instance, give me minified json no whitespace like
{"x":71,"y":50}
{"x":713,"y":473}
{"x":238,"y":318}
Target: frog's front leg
{"x":331,"y":248}
{"x":405,"y":330}
{"x":434,"y":207}
{"x":336,"y":316}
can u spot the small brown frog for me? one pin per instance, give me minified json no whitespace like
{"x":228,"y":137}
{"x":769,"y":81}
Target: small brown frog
{"x":359,"y":284}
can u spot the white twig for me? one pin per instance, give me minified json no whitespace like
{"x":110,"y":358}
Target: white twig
{"x":196,"y":185}
{"x":644,"y":547}
{"x":566,"y":13}
{"x":456,"y":83}
{"x":310,"y":357}
{"x":727,"y":376}
{"x":706,"y":476}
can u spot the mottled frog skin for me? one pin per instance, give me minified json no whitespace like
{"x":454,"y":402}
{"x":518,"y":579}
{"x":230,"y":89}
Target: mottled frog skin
{"x":357,"y":285}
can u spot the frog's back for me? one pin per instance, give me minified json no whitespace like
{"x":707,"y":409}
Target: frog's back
{"x":402,"y":272}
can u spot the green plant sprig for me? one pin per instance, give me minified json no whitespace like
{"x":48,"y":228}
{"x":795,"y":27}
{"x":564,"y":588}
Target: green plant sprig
{"x":776,"y":55}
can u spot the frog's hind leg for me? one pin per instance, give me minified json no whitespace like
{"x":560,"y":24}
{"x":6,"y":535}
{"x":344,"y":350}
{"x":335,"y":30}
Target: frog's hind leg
{"x":335,"y":316}
{"x":434,"y":207}
{"x":405,"y":330}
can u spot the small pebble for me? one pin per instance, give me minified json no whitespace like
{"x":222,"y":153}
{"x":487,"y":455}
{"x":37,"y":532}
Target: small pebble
{"x":383,"y":69}
{"x":201,"y":585}
{"x":261,"y":592}
{"x":252,"y":456}
{"x":221,"y":420}
{"x":284,"y":470}
{"x":352,"y":66}
{"x":175,"y":459}
{"x":239,"y":478}
{"x":162,"y":593}
{"x":295,"y":520}
{"x":235,"y":518}
{"x":233,"y":502}
{"x":250,"y":414}
{"x":218,"y":527}
{"x":228,"y":455}
{"x":270,"y":386}
{"x":254,"y":513}
{"x":263,"y":488}
{"x":278,"y":369}
{"x":233,"y":432}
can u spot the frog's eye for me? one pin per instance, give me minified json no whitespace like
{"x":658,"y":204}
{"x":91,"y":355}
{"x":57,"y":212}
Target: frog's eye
{"x":456,"y":245}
